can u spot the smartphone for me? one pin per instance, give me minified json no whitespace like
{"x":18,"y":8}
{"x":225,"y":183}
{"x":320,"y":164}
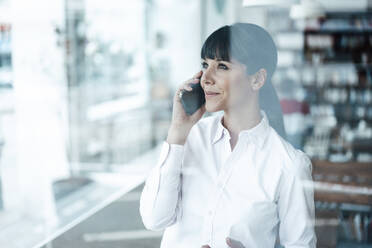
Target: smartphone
{"x":193,"y":100}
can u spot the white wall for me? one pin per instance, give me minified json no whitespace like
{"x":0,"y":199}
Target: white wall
{"x":4,"y":11}
{"x":180,"y":22}
{"x":233,"y":12}
{"x":40,"y":100}
{"x":216,"y":19}
{"x":184,"y":22}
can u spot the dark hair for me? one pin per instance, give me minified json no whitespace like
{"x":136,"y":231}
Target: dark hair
{"x":247,"y":43}
{"x":253,"y":46}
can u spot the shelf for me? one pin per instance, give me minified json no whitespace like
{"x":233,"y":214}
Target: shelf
{"x":345,"y":86}
{"x":342,"y":39}
{"x":339,"y":104}
{"x":340,"y":31}
{"x":327,"y":166}
{"x":348,"y":14}
{"x":332,"y":65}
{"x":342,"y":182}
{"x":355,"y":207}
{"x":341,"y":56}
{"x":362,"y":145}
{"x":349,"y":244}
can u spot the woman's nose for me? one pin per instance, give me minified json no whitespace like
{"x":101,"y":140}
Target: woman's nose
{"x":207,"y":77}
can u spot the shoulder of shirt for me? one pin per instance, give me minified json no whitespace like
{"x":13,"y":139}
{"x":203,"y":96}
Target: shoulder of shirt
{"x":292,"y":160}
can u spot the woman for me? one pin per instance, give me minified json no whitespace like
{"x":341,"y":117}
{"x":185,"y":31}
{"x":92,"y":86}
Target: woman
{"x":230,"y":180}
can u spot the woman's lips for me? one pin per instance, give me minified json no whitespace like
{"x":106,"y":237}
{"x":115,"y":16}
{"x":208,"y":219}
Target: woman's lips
{"x":210,"y":94}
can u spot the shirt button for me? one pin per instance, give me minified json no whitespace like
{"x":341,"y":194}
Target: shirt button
{"x":210,"y":212}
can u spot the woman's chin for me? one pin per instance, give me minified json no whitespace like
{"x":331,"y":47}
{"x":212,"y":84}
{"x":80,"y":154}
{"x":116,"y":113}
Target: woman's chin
{"x":210,"y":108}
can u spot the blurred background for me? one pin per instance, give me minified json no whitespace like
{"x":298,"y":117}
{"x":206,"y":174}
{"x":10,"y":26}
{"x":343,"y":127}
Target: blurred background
{"x":86,"y":90}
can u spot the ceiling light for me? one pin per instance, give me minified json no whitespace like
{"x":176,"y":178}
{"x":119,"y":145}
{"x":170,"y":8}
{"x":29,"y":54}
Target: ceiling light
{"x":261,"y":3}
{"x":307,"y":9}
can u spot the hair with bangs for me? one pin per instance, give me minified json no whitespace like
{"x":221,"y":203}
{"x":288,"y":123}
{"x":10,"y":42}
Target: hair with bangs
{"x":217,"y":45}
{"x":252,"y":46}
{"x":245,"y":42}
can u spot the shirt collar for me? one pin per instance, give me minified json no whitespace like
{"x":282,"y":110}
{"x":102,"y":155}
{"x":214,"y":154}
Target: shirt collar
{"x":256,"y":135}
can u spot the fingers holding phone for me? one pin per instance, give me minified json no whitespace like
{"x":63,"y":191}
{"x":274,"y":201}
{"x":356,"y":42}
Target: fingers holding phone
{"x":188,"y":107}
{"x":188,"y":101}
{"x":192,"y":99}
{"x":187,"y":86}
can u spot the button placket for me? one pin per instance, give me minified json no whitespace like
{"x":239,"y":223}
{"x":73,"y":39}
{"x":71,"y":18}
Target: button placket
{"x":228,"y":167}
{"x":224,"y":166}
{"x":223,"y":178}
{"x":208,"y":221}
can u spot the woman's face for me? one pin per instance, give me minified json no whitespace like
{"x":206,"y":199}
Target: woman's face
{"x":226,"y":84}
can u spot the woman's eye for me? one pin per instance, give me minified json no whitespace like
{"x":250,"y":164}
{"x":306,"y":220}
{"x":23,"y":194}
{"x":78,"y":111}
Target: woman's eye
{"x":204,"y":65}
{"x":222,"y":66}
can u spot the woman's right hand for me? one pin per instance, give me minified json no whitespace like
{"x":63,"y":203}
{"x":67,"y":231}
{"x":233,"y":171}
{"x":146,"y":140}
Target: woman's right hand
{"x":181,"y":122}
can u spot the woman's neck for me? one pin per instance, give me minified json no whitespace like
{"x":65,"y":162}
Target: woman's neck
{"x":240,"y":119}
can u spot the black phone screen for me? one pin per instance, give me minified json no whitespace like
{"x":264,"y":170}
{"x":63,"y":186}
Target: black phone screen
{"x":193,"y":100}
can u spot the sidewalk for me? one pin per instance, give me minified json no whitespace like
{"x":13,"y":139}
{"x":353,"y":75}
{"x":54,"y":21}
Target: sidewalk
{"x":118,"y":225}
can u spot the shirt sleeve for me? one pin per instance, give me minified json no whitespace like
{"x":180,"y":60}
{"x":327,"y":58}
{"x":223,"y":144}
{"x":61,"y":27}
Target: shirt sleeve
{"x":296,"y":206}
{"x":160,"y":198}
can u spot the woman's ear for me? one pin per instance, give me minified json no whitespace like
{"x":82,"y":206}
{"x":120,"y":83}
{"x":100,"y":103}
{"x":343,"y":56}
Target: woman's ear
{"x":260,"y":78}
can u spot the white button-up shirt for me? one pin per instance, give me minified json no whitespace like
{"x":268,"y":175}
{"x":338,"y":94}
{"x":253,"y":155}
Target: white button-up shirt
{"x":202,"y":192}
